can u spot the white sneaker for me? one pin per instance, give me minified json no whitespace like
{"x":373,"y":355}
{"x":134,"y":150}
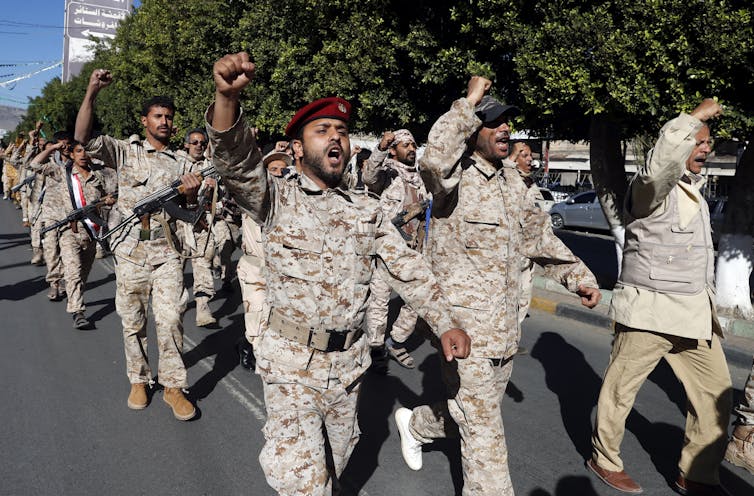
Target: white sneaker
{"x":411,"y":448}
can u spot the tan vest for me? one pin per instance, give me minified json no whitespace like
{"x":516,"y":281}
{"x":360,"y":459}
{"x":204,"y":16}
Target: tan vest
{"x":662,"y":256}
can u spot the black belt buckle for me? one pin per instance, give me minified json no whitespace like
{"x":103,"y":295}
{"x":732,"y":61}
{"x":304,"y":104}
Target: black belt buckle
{"x":336,"y":340}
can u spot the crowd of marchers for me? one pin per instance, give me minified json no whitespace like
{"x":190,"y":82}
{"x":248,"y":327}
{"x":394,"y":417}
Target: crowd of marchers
{"x":329,"y":235}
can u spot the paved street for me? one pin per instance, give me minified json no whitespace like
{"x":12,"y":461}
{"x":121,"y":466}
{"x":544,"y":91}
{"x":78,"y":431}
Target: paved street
{"x":66,"y":430}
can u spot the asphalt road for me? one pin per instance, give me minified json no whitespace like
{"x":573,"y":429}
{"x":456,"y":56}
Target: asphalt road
{"x":66,"y":430}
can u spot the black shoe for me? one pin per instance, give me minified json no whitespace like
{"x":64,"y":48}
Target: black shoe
{"x":80,"y":322}
{"x":246,"y":355}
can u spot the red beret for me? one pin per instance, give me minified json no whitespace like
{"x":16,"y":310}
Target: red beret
{"x":332,"y":107}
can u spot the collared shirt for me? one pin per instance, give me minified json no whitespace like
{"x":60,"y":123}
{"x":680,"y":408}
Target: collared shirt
{"x":321,"y":250}
{"x":483,"y":223}
{"x":142,"y":170}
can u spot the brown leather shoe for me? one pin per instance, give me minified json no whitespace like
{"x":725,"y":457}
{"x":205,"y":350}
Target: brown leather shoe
{"x":617,"y":480}
{"x":691,"y":488}
{"x":137,"y":398}
{"x":182,"y":408}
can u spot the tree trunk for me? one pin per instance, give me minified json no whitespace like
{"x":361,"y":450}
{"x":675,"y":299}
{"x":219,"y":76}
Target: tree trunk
{"x":609,"y":176}
{"x":734,"y":259}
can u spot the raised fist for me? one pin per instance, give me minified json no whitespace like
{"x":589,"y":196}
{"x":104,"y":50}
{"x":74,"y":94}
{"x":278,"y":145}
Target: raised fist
{"x":99,"y":79}
{"x":387,"y":139}
{"x":708,"y":109}
{"x":232,"y":74}
{"x":477,"y":88}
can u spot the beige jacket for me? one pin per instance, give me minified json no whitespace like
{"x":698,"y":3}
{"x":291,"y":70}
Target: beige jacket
{"x":690,"y":316}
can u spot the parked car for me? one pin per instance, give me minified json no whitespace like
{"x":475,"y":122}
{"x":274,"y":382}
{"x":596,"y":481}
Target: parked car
{"x":580,"y":210}
{"x":547,"y":202}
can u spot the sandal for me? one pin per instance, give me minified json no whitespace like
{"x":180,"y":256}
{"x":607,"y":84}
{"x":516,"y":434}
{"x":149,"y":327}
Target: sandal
{"x":401,"y":356}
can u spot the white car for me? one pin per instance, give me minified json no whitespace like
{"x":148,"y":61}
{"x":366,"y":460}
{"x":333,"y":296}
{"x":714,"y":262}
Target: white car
{"x":547,"y":202}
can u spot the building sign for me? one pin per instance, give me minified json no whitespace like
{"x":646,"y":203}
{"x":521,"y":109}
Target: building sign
{"x":85,"y":20}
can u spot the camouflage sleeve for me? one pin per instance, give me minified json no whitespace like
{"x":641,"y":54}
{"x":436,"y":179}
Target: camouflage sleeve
{"x":373,"y":173}
{"x":542,"y":246}
{"x":446,"y":145}
{"x":408,"y":273}
{"x":239,"y":162}
{"x":664,"y":165}
{"x":112,"y":152}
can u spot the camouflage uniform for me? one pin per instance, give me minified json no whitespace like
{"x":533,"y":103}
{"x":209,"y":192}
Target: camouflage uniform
{"x":250,"y":271}
{"x":148,"y":267}
{"x":483,"y":224}
{"x":320,"y":253}
{"x":76,"y":248}
{"x":398,"y":186}
{"x":54,"y":166}
{"x":199,"y":241}
{"x":527,"y":265}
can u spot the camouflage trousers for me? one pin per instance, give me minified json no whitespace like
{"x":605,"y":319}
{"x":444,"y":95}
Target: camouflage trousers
{"x":77,"y":254}
{"x":476,"y":387}
{"x":134,"y":286}
{"x":299,"y":417}
{"x":36,"y":227}
{"x":225,"y":245}
{"x":253,"y":291}
{"x":204,"y":284}
{"x":703,"y":371}
{"x":51,"y":246}
{"x":745,"y":410}
{"x":26,"y":206}
{"x":377,"y":315}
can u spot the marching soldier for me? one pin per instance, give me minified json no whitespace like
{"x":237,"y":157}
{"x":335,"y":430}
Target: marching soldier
{"x":148,"y":263}
{"x":482,"y":224}
{"x":322,"y":245}
{"x":391,"y":172}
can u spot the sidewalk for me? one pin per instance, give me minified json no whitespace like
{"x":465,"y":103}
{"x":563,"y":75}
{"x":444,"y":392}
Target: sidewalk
{"x":550,"y":297}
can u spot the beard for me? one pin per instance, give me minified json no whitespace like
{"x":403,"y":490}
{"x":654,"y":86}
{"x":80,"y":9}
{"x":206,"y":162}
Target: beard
{"x":331,"y":178}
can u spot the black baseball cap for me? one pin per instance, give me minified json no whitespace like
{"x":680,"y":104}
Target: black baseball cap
{"x":490,"y":110}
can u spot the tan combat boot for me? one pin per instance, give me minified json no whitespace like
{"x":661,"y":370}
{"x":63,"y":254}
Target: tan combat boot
{"x":182,"y":408}
{"x":37,"y":257}
{"x":137,"y":398}
{"x":740,"y":450}
{"x":204,"y":315}
{"x":54,"y":293}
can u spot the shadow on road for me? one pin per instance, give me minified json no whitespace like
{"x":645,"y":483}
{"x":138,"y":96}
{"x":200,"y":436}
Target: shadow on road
{"x":24,"y":289}
{"x":222,"y":344}
{"x":571,"y":485}
{"x":108,"y":307}
{"x":598,"y":253}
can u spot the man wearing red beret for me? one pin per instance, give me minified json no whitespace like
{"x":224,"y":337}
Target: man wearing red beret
{"x":322,"y":247}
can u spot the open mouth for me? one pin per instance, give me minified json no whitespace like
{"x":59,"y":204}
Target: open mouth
{"x":334,"y":155}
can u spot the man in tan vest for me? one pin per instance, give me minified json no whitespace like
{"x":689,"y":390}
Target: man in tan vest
{"x":664,"y":307}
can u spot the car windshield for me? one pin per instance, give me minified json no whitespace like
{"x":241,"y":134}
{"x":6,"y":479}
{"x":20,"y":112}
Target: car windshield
{"x":547,"y":195}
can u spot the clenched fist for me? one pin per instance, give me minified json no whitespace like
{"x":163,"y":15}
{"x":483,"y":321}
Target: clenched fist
{"x":99,"y":79}
{"x":232,"y":74}
{"x":477,"y":88}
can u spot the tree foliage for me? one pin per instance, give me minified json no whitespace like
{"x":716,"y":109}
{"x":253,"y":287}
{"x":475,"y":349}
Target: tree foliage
{"x":402,"y":63}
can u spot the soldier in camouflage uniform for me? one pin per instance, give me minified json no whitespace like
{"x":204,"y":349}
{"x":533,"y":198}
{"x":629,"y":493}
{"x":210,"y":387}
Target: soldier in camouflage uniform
{"x":396,"y":179}
{"x":51,"y":242}
{"x":70,"y":188}
{"x":521,"y":159}
{"x":147,"y":264}
{"x":199,"y":239}
{"x":482,"y":224}
{"x":321,"y":247}
{"x":30,"y":195}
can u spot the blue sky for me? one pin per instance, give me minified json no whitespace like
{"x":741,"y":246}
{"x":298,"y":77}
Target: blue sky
{"x":31,"y":39}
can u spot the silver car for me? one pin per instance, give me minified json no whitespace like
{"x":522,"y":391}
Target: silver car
{"x":580,"y":210}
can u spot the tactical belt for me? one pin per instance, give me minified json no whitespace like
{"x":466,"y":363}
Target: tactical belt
{"x":326,"y":340}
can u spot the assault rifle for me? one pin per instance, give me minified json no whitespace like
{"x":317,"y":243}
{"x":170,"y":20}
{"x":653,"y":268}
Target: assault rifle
{"x":90,"y":212}
{"x":411,"y":212}
{"x":161,"y":199}
{"x":28,"y":180}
